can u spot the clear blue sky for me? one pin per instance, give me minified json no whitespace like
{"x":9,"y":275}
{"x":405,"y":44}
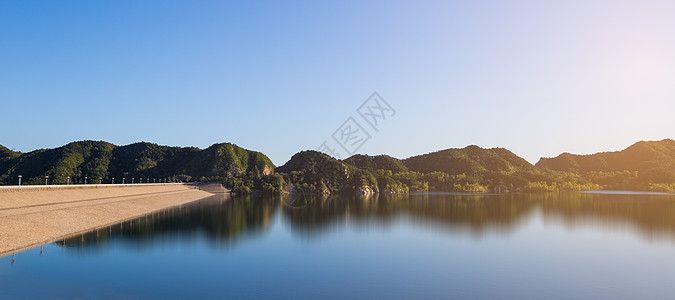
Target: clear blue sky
{"x":536,"y":77}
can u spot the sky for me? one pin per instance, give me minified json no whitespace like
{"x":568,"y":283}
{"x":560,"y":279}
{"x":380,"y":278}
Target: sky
{"x":536,"y":77}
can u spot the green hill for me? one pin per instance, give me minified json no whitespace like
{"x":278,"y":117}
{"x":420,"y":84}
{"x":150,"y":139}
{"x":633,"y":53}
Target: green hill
{"x":638,"y":166}
{"x":7,"y":154}
{"x":470,"y":160}
{"x":379,"y":162}
{"x":471,"y":169}
{"x":317,"y":173}
{"x":98,"y":159}
{"x":644,"y":165}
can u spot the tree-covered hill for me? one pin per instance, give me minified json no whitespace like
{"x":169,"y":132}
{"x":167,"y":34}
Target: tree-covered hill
{"x":7,"y":154}
{"x":642,"y":164}
{"x":379,"y":162}
{"x":481,"y":169}
{"x":471,"y":169}
{"x":98,"y":159}
{"x":470,"y":160}
{"x":315,"y":172}
{"x":641,"y":156}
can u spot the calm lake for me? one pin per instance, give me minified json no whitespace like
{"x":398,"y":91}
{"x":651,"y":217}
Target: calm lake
{"x":532,"y":246}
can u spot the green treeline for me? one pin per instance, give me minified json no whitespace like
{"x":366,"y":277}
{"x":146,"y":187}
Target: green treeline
{"x":645,"y":165}
{"x":98,"y":161}
{"x":642,"y":166}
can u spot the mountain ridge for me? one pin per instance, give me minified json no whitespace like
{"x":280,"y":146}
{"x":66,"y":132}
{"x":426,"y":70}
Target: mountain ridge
{"x":100,"y":159}
{"x":643,"y":165}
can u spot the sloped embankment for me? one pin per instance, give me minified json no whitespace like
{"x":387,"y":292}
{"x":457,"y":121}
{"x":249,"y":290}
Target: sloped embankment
{"x":31,"y":216}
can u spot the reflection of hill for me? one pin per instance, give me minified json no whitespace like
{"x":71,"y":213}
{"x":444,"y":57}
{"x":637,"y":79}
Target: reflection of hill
{"x":474,"y":213}
{"x":224,"y":221}
{"x":649,"y":214}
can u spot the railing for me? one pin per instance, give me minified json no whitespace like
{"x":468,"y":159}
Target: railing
{"x":27,"y":188}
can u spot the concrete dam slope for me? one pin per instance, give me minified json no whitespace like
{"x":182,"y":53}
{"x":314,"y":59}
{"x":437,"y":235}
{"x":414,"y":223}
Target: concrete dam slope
{"x":35,"y":215}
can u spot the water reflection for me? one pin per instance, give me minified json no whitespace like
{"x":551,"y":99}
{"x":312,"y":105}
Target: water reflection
{"x":224,"y":221}
{"x":650,"y":214}
{"x":480,"y":214}
{"x":467,"y":213}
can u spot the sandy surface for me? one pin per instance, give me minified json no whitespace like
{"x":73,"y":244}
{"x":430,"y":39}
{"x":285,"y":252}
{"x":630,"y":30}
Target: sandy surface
{"x":33,"y":217}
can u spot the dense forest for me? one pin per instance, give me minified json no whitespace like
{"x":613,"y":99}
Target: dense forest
{"x":642,"y":166}
{"x":645,"y":165}
{"x":471,"y":169}
{"x":100,"y":162}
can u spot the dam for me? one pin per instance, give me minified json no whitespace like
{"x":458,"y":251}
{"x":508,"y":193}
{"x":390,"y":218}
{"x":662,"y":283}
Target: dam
{"x":35,"y":215}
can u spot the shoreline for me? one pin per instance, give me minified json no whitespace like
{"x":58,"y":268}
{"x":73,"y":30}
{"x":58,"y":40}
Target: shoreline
{"x":29,"y":188}
{"x":33,"y":217}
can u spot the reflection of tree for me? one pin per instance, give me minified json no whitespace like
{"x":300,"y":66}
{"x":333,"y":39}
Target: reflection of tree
{"x":474,"y":213}
{"x":224,"y":221}
{"x":650,"y":214}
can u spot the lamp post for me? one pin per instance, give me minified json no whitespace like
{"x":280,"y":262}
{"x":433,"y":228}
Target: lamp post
{"x":122,"y":180}
{"x":85,"y":179}
{"x":19,"y":180}
{"x":46,"y":177}
{"x":68,"y":180}
{"x":113,"y":181}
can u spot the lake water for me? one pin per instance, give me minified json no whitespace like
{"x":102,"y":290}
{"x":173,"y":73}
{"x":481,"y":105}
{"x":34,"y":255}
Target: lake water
{"x":533,"y":246}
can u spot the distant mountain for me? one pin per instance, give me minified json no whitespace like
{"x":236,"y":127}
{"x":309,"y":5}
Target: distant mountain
{"x":469,"y":160}
{"x":98,"y":159}
{"x":644,"y":166}
{"x":645,"y":161}
{"x":470,"y":169}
